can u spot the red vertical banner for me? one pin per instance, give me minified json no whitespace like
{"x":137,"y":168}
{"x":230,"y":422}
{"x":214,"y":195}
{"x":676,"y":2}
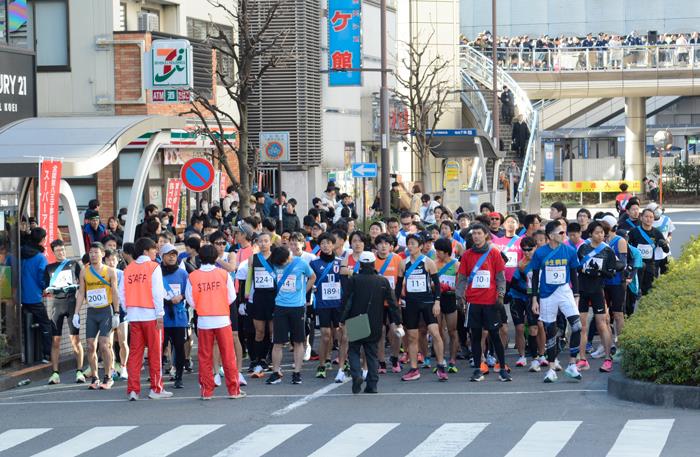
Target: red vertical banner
{"x":49,"y":192}
{"x":172,"y":197}
{"x":223,"y":184}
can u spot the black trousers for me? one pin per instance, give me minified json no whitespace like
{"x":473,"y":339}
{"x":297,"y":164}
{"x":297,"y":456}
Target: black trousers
{"x":372,"y":362}
{"x":41,"y":317}
{"x":177,"y":336}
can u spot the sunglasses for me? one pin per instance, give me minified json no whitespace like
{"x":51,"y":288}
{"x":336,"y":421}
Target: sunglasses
{"x":527,"y":249}
{"x":220,"y":243}
{"x":562,"y":232}
{"x":496,"y":219}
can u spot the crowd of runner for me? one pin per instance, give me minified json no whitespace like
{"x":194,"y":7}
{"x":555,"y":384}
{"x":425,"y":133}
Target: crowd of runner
{"x":246,"y":292}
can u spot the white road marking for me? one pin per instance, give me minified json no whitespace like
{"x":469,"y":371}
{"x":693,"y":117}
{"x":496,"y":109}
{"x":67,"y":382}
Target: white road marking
{"x":12,"y":438}
{"x":544,"y":439}
{"x":448,"y":440}
{"x":306,"y":399}
{"x":86,"y":441}
{"x":172,"y":441}
{"x":263,"y":440}
{"x":642,"y":438}
{"x":354,"y":441}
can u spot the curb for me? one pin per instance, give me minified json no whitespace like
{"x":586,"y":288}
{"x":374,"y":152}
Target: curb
{"x":35,"y":373}
{"x":665,"y":395}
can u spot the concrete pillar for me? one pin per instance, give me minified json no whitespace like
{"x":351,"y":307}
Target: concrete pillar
{"x":635,"y":138}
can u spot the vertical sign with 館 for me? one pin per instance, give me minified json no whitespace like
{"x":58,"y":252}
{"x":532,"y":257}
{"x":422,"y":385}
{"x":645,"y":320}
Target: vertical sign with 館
{"x":49,"y":188}
{"x":344,"y":42}
{"x":172,"y":197}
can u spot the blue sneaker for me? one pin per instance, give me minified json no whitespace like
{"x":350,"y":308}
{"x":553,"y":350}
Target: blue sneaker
{"x":426,"y":362}
{"x":589,"y":347}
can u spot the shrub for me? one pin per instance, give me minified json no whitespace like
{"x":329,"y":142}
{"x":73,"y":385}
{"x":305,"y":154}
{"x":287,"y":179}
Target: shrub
{"x":661,"y":341}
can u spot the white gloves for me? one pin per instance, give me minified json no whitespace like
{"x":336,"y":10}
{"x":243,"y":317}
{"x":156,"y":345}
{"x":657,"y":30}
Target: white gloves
{"x":76,"y":321}
{"x":115,"y":321}
{"x":241,"y":309}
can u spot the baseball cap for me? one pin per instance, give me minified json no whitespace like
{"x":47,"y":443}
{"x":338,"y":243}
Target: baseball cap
{"x":167,"y":248}
{"x":495,"y":214}
{"x":608,"y":219}
{"x":367,"y":257}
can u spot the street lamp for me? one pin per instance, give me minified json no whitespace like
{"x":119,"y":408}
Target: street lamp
{"x":663,"y":140}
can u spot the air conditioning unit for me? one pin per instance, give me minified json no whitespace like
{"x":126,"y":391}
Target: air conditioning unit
{"x":148,"y":22}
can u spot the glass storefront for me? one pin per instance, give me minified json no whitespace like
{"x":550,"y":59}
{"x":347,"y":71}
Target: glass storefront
{"x":10,"y":322}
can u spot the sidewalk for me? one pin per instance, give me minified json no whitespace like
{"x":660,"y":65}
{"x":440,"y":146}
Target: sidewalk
{"x":37,"y":374}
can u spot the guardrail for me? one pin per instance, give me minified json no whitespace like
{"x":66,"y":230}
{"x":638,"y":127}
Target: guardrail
{"x":623,"y":58}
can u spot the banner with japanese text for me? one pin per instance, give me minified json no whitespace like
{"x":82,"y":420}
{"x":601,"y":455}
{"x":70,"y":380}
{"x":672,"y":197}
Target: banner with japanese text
{"x":172,"y":197}
{"x":344,"y":42}
{"x":49,"y":194}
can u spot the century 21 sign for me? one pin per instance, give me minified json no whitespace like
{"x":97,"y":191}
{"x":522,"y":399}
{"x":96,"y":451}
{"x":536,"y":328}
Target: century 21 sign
{"x":171,"y":63}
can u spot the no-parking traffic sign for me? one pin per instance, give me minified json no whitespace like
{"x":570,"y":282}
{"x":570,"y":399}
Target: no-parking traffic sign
{"x":197,"y":174}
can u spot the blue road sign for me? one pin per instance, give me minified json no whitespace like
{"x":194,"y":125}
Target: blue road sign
{"x":364,"y":170}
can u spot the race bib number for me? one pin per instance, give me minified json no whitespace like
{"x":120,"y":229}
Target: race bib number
{"x":330,"y":291}
{"x":97,"y":297}
{"x":482,"y":279}
{"x":448,"y":280}
{"x":263,"y":279}
{"x":593,"y":261}
{"x":392,"y":281}
{"x":174,"y":291}
{"x":646,"y":250}
{"x":290,"y":284}
{"x":64,"y":279}
{"x":416,"y":283}
{"x":512,"y":259}
{"x":555,"y":275}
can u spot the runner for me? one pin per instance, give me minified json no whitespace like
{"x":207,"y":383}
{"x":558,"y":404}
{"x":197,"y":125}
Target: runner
{"x":121,"y":352}
{"x":447,"y":321}
{"x":615,"y":287}
{"x":391,"y":267}
{"x":629,"y":220}
{"x":447,"y":232}
{"x":646,"y":238}
{"x":63,"y":279}
{"x":260,"y":293}
{"x":296,"y":246}
{"x":481,"y":287}
{"x":422,"y":295}
{"x":143,"y":292}
{"x":210,"y":290}
{"x":666,"y":227}
{"x":554,"y":267}
{"x":622,"y":199}
{"x":312,"y":241}
{"x":176,"y":318}
{"x":583,"y":217}
{"x":100,"y":291}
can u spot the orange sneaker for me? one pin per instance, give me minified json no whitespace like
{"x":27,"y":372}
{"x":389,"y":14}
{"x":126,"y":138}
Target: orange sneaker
{"x":497,"y":367}
{"x":484,"y":368}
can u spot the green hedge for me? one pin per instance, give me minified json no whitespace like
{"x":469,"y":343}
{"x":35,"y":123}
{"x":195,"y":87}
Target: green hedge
{"x":661,"y":341}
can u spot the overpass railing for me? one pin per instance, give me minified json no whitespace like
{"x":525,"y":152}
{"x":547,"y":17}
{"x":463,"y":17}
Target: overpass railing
{"x":635,"y":58}
{"x":476,"y":103}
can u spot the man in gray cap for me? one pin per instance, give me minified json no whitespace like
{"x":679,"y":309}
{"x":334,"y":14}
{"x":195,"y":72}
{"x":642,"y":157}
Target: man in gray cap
{"x":366,"y":293}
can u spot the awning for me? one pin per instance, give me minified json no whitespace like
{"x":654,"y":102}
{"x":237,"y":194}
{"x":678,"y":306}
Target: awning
{"x":86,"y":145}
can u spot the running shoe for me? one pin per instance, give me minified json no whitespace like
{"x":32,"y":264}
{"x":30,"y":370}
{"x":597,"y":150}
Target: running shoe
{"x":153,"y":395}
{"x":274,"y":378}
{"x":340,"y":377}
{"x":307,"y":353}
{"x":452,"y":368}
{"x":314,"y":355}
{"x":490,"y":360}
{"x":178,"y":384}
{"x":404,"y":358}
{"x":396,"y":367}
{"x":328,"y":364}
{"x":617,"y":357}
{"x":543,"y":361}
{"x":203,"y":398}
{"x":79,"y":377}
{"x":583,"y":365}
{"x":265,"y":366}
{"x":221,"y":371}
{"x":382,"y":368}
{"x":551,"y":376}
{"x":484,"y":368}
{"x":497,"y":367}
{"x":426,"y":363}
{"x":55,"y":378}
{"x":321,"y":372}
{"x":123,"y":374}
{"x":238,"y":396}
{"x":420,"y":358}
{"x":442,"y":373}
{"x":598,"y":353}
{"x":534,"y":366}
{"x":589,"y":347}
{"x":556,"y":365}
{"x":94,"y":383}
{"x":251,"y":367}
{"x":607,"y":366}
{"x":335,"y":361}
{"x":412,"y":375}
{"x":188,"y":365}
{"x":503,"y":376}
{"x":522,"y":361}
{"x":133,"y":396}
{"x":241,"y":379}
{"x":107,"y":383}
{"x":296,"y":377}
{"x":477,"y":376}
{"x":88,"y":372}
{"x":613,"y":350}
{"x":364,"y":374}
{"x":572,"y":372}
{"x":257,"y":372}
{"x":356,"y":385}
{"x":217,"y":379}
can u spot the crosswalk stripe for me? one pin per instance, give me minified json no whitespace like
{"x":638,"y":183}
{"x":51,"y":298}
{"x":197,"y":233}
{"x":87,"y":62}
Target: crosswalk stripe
{"x":171,"y":441}
{"x":544,"y":439}
{"x":263,"y":440}
{"x":354,"y":440}
{"x":448,"y":440}
{"x":12,"y":438}
{"x":86,"y":441}
{"x":642,"y":438}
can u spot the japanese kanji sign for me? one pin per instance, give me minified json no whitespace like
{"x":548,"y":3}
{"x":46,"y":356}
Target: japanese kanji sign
{"x":172,"y":197}
{"x":344,"y":42}
{"x":49,"y":188}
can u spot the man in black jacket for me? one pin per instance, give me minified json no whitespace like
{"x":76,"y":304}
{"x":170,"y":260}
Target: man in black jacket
{"x":367,"y":292}
{"x":290,"y":220}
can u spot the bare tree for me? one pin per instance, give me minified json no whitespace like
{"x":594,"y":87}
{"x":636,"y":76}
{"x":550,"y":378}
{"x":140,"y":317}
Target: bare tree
{"x":255,"y":48}
{"x":425,"y":92}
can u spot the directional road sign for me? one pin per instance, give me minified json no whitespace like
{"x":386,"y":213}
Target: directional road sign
{"x":197,"y":174}
{"x":364,"y":170}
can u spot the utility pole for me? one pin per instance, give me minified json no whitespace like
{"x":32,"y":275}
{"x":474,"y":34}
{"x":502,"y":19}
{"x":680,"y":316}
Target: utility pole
{"x":494,"y":59}
{"x":385,"y":195}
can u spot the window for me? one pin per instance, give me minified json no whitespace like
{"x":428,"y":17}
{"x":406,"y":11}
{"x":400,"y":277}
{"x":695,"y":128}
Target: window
{"x":3,"y":22}
{"x":202,"y":30}
{"x":122,"y":17}
{"x":52,"y":39}
{"x":14,"y":23}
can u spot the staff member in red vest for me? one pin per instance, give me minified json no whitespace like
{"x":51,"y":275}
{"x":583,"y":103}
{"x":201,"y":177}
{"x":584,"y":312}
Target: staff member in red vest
{"x":143,"y":292}
{"x":210,"y":291}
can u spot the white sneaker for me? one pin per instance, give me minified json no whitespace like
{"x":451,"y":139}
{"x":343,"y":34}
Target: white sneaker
{"x":364,"y":374}
{"x":221,"y":371}
{"x":551,"y":376}
{"x":535,"y":366}
{"x":556,"y":365}
{"x":217,"y":379}
{"x":522,"y":361}
{"x":172,"y":371}
{"x":598,"y":353}
{"x":307,"y":353}
{"x":241,"y":379}
{"x":133,"y":396}
{"x":572,"y":372}
{"x":123,"y":374}
{"x":159,"y":395}
{"x":340,"y":377}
